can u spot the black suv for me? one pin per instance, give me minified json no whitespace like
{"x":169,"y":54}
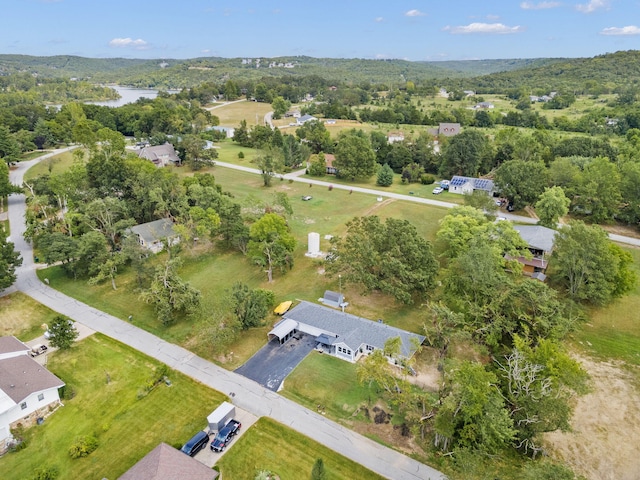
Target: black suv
{"x":197,"y":443}
{"x":225,"y":435}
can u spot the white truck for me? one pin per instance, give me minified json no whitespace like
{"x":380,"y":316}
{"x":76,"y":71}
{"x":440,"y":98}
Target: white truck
{"x":221,"y":416}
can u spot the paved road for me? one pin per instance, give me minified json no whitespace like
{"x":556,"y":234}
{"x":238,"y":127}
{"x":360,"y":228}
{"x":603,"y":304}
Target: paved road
{"x":297,"y":177}
{"x":247,"y":394}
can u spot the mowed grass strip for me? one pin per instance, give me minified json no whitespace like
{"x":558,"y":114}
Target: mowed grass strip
{"x":127,"y":423}
{"x":23,"y":317}
{"x":269,"y":445}
{"x":613,"y":331}
{"x":328,"y":381}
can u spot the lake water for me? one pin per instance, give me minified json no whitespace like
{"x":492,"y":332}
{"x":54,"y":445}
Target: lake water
{"x":129,"y":95}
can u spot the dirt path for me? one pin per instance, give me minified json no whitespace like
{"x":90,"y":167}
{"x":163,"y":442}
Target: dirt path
{"x":605,"y":441}
{"x":377,"y":206}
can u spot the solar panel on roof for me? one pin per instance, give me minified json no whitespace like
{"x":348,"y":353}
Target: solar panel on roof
{"x":458,"y":181}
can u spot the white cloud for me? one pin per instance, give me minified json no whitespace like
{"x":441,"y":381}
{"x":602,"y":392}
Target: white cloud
{"x":379,"y":19}
{"x":492,"y":28}
{"x":628,"y":30}
{"x":539,"y":5}
{"x":592,"y":6}
{"x":137,"y":44}
{"x":414,"y":13}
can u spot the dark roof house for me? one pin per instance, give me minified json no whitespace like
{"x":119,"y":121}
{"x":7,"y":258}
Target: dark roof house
{"x":166,"y":463}
{"x":12,"y":347}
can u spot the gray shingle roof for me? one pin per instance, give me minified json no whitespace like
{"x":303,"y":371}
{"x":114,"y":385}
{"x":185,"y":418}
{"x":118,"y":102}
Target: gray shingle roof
{"x":21,"y":376}
{"x":166,"y":463}
{"x":11,"y":345}
{"x":538,"y":237}
{"x":160,"y":153}
{"x":350,"y":329}
{"x":154,"y":231}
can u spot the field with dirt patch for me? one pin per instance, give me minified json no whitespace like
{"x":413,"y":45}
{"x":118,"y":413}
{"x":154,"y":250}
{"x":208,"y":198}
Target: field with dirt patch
{"x":606,"y":426}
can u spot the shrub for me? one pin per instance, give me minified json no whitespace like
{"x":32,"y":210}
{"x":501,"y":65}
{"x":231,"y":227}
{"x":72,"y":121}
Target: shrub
{"x":427,"y":179}
{"x":67,"y":392}
{"x":46,"y":473}
{"x":83,"y":446}
{"x":240,"y":155}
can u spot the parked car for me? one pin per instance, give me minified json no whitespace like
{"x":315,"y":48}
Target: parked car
{"x":225,"y":435}
{"x":197,"y":443}
{"x":437,"y":190}
{"x":37,"y":350}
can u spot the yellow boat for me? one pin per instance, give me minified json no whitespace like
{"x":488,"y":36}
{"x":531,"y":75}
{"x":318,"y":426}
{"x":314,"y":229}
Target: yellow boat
{"x":282,"y":308}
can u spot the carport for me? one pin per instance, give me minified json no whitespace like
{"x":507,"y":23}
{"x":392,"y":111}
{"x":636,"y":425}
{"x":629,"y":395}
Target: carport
{"x":284,"y":330}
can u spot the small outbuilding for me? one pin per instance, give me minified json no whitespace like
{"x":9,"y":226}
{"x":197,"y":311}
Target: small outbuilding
{"x":333,"y":299}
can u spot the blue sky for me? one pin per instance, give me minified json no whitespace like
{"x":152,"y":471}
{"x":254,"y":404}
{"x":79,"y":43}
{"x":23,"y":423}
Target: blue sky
{"x":412,"y":30}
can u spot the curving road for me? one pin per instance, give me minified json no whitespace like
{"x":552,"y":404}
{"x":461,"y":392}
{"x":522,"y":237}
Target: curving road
{"x":297,"y":177}
{"x":247,"y":394}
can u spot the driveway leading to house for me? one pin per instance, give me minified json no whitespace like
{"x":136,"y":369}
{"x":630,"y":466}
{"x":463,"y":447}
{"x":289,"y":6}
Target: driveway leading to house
{"x":272,"y":363}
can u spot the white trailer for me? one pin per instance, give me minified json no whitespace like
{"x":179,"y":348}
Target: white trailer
{"x":221,"y":416}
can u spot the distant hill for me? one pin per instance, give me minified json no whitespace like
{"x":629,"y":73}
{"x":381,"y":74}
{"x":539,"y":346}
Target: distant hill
{"x":620,"y":68}
{"x":580,"y":75}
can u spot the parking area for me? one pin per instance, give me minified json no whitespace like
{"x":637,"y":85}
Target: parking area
{"x":207,"y":456}
{"x":273,"y":362}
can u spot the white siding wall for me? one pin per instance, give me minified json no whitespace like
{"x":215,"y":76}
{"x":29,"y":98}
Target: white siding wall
{"x":33,"y":404}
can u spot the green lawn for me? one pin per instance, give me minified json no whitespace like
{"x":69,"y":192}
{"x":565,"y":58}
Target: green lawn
{"x":613,"y":332}
{"x":51,"y":166}
{"x":23,"y":317}
{"x":232,"y":114}
{"x":269,"y":445}
{"x":126,"y":425}
{"x":325,"y":380}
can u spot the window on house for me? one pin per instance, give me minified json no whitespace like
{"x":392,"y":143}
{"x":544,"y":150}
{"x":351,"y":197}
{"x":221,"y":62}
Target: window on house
{"x":23,"y":405}
{"x":41,"y":397}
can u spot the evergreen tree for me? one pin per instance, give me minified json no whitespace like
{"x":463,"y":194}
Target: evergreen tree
{"x":385,"y":176}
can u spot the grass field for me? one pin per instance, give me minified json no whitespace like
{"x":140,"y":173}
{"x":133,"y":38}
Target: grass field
{"x":613,"y":332}
{"x":126,"y":424}
{"x":268,"y":445}
{"x":22,"y":317}
{"x":51,"y":166}
{"x":232,"y":114}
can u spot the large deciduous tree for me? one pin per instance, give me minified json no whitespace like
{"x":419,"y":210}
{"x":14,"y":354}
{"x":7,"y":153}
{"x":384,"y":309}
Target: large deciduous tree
{"x":271,"y":244}
{"x":251,"y":306}
{"x":9,"y":260}
{"x":355,"y":159}
{"x":472,"y":413}
{"x":390,"y":257}
{"x":62,"y":332}
{"x":466,"y":154}
{"x":170,"y":294}
{"x":521,"y":182}
{"x":591,"y":268}
{"x":551,"y":206}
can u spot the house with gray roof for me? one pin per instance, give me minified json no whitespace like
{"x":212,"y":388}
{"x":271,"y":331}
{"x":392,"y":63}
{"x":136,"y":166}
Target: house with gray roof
{"x":468,"y":185}
{"x":166,"y":463}
{"x":28,"y":391}
{"x":160,"y":155}
{"x":341,"y":334}
{"x":540,"y":241}
{"x":153,"y":235}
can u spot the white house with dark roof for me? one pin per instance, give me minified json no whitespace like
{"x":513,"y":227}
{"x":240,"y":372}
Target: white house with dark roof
{"x":341,"y":334}
{"x":160,"y":155}
{"x":152,"y":235}
{"x":468,"y":185}
{"x":28,"y":390}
